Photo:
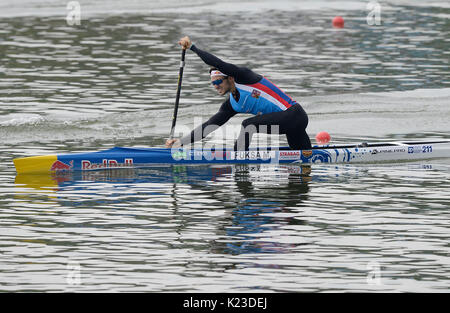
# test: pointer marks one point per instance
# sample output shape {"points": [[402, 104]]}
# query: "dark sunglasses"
{"points": [[217, 82]]}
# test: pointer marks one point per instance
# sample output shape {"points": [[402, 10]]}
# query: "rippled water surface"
{"points": [[111, 81]]}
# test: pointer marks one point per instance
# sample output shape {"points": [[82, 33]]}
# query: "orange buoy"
{"points": [[323, 137], [338, 22]]}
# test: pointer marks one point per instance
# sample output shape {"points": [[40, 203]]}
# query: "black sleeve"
{"points": [[225, 113], [242, 75]]}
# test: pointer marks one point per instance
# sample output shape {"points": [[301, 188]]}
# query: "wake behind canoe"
{"points": [[119, 157]]}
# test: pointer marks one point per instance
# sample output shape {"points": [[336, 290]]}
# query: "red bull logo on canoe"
{"points": [[59, 166], [88, 165]]}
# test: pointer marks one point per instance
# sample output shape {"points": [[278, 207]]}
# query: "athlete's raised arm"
{"points": [[241, 75]]}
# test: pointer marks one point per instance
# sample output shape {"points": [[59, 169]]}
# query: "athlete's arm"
{"points": [[225, 113], [242, 75]]}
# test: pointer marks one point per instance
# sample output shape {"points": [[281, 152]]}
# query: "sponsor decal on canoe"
{"points": [[307, 153], [199, 155], [59, 166], [179, 155], [388, 150], [215, 155], [220, 155], [106, 163], [289, 155]]}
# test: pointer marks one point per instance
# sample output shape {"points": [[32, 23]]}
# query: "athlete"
{"points": [[249, 93]]}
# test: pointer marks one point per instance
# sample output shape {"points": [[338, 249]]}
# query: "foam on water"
{"points": [[21, 120]]}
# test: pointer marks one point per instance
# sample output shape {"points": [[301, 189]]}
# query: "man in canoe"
{"points": [[249, 93]]}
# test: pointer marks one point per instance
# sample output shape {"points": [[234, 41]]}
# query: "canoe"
{"points": [[120, 157]]}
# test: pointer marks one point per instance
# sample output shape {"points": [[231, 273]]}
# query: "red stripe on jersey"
{"points": [[271, 93]]}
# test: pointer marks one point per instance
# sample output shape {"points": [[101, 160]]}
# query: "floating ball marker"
{"points": [[338, 22], [323, 137]]}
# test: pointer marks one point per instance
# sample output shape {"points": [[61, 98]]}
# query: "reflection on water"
{"points": [[288, 186]]}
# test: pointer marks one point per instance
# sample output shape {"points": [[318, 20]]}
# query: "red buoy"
{"points": [[323, 138], [338, 22]]}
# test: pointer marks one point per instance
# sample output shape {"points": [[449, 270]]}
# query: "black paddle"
{"points": [[177, 100]]}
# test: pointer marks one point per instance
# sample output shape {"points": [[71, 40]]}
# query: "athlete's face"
{"points": [[223, 87]]}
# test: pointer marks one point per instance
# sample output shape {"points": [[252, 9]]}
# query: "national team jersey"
{"points": [[261, 98]]}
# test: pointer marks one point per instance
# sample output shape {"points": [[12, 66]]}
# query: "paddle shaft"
{"points": [[177, 99]]}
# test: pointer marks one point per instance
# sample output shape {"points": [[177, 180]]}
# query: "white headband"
{"points": [[217, 73]]}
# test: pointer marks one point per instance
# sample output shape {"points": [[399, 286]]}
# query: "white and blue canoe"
{"points": [[146, 157]]}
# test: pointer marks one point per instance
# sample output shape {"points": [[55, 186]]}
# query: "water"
{"points": [[111, 81]]}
